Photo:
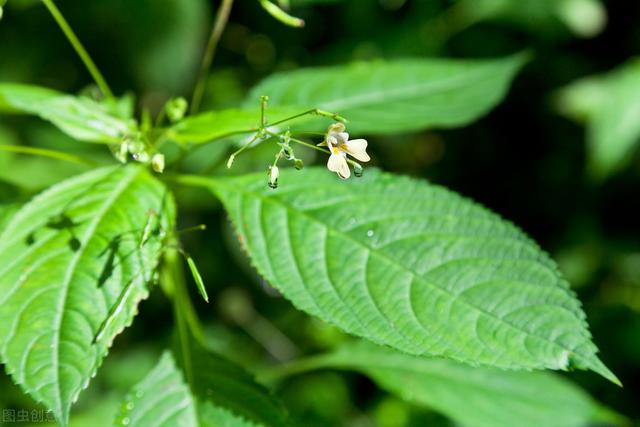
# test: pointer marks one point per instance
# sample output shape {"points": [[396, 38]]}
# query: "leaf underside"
{"points": [[411, 265], [490, 397], [71, 265]]}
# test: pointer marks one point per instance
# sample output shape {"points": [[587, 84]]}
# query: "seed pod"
{"points": [[298, 164]]}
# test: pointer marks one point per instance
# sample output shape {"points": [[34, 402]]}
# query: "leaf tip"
{"points": [[601, 369]]}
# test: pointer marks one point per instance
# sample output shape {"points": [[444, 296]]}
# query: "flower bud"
{"points": [[358, 170], [287, 152], [298, 164], [135, 146], [230, 161], [273, 174], [157, 162], [176, 108]]}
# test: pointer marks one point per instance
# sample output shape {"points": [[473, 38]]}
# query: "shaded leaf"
{"points": [[79, 117], [479, 397], [71, 264], [399, 95], [219, 383], [410, 265]]}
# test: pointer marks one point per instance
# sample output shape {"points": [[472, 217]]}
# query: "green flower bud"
{"points": [[176, 108], [358, 170], [298, 164], [157, 162]]}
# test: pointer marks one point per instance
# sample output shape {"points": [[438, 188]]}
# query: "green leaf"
{"points": [[215, 416], [161, 399], [79, 117], [397, 96], [584, 18], [71, 265], [225, 123], [219, 382], [490, 397], [411, 265], [611, 106]]}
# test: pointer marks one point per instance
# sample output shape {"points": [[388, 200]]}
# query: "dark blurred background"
{"points": [[523, 160]]}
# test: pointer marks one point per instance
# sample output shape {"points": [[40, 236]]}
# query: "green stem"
{"points": [[222, 16], [80, 50], [43, 152], [315, 112], [277, 373], [184, 312]]}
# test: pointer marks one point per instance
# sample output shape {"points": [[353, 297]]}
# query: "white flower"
{"points": [[337, 140]]}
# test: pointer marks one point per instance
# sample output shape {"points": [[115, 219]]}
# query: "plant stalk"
{"points": [[77, 46], [222, 16]]}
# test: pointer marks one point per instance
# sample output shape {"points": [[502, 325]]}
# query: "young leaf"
{"points": [[71, 275], [411, 265], [611, 106], [399, 95], [480, 397], [217, 382], [79, 117], [161, 399]]}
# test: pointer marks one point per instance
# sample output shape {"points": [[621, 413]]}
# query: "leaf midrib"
{"points": [[108, 203], [404, 93]]}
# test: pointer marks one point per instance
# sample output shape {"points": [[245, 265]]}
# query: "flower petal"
{"points": [[338, 163], [357, 148], [331, 141], [336, 128], [342, 137]]}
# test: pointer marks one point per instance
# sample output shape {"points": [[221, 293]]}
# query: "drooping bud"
{"points": [[298, 164], [273, 174], [157, 162], [176, 108], [230, 161], [358, 170], [287, 152]]}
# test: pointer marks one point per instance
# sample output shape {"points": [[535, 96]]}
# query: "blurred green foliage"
{"points": [[524, 160]]}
